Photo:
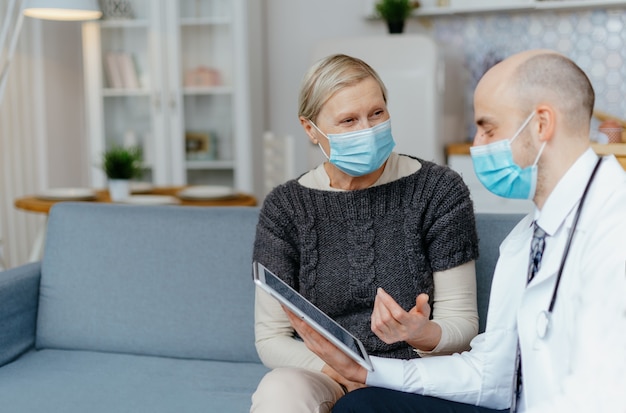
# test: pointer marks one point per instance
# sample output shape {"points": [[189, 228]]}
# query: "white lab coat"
{"points": [[580, 364]]}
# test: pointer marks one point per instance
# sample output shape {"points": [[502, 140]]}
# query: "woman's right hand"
{"points": [[392, 324], [351, 371]]}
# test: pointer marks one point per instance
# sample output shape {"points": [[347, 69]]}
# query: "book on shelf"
{"points": [[128, 70], [121, 71], [113, 75]]}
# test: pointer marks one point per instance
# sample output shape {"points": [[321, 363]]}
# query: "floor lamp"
{"points": [[40, 9]]}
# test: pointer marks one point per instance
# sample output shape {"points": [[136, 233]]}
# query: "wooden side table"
{"points": [[33, 204]]}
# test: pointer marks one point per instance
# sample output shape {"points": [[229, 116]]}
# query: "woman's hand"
{"points": [[392, 324], [327, 351]]}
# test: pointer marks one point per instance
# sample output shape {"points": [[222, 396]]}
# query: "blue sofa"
{"points": [[145, 309]]}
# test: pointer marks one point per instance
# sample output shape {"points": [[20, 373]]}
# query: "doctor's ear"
{"points": [[546, 122]]}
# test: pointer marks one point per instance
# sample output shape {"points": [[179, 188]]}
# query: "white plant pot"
{"points": [[119, 189]]}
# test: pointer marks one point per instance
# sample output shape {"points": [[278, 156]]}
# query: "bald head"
{"points": [[535, 77]]}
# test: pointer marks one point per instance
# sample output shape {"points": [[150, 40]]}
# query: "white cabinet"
{"points": [[173, 78]]}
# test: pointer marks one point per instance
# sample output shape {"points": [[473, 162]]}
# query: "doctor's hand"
{"points": [[337, 360], [347, 384], [391, 323]]}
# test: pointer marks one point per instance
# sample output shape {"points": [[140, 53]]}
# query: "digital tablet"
{"points": [[312, 315]]}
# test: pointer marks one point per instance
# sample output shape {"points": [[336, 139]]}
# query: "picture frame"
{"points": [[199, 146]]}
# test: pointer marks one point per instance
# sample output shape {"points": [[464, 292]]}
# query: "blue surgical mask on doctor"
{"points": [[360, 152], [496, 170]]}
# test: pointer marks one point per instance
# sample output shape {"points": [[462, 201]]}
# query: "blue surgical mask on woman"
{"points": [[496, 170], [360, 152]]}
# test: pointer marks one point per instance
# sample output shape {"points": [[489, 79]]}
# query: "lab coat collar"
{"points": [[567, 193]]}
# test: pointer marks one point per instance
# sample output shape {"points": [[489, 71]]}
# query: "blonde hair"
{"points": [[328, 76]]}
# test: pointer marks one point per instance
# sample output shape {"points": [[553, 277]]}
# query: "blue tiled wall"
{"points": [[594, 39]]}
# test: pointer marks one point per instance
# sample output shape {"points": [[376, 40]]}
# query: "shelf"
{"points": [[460, 148], [617, 149], [210, 164], [452, 10], [210, 90], [110, 92], [583, 4], [125, 24], [522, 6], [205, 21]]}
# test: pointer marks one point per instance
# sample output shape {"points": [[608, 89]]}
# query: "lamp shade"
{"points": [[63, 9]]}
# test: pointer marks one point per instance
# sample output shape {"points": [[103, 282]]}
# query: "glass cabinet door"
{"points": [[119, 83], [163, 76], [206, 81]]}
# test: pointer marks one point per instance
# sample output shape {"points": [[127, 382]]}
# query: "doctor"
{"points": [[532, 113]]}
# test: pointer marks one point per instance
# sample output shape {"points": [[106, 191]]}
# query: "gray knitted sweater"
{"points": [[336, 248]]}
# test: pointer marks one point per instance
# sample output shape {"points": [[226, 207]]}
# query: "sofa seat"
{"points": [[86, 381]]}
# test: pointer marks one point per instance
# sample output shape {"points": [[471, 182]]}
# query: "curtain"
{"points": [[22, 145]]}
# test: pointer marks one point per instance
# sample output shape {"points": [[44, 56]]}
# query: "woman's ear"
{"points": [[546, 117], [309, 129]]}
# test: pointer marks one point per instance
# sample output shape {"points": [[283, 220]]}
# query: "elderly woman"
{"points": [[371, 237]]}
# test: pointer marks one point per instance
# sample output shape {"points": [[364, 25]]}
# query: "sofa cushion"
{"points": [[79, 381], [156, 280]]}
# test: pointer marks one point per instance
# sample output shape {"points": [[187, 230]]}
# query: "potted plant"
{"points": [[395, 12], [120, 165]]}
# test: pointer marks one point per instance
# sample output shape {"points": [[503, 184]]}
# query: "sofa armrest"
{"points": [[19, 298]]}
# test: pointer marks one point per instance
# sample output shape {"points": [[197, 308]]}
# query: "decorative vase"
{"points": [[117, 9], [395, 27], [119, 189]]}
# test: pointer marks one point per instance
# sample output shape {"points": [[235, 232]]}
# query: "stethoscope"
{"points": [[544, 318]]}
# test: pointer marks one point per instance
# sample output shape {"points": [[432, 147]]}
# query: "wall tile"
{"points": [[594, 39]]}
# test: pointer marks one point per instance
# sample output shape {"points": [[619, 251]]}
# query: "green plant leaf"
{"points": [[123, 163], [395, 10]]}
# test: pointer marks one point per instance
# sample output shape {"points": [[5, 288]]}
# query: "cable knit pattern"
{"points": [[337, 247]]}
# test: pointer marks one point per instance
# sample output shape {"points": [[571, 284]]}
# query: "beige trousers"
{"points": [[291, 390]]}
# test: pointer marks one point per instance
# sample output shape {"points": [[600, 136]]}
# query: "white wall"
{"points": [[257, 89], [67, 164]]}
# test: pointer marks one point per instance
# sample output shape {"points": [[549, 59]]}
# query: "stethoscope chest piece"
{"points": [[543, 324]]}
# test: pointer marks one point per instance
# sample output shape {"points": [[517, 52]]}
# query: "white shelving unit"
{"points": [[487, 7], [189, 107], [490, 6]]}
